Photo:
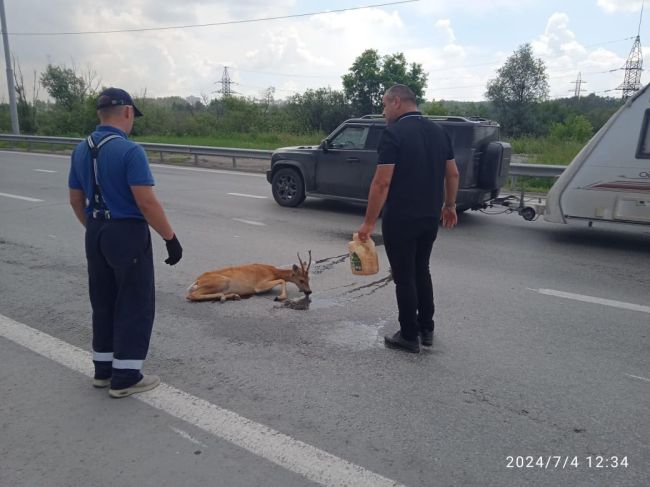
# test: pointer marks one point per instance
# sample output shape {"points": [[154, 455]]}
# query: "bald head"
{"points": [[403, 92], [398, 100]]}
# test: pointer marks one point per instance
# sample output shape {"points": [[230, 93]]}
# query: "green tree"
{"points": [[434, 107], [520, 84], [320, 110], [26, 111], [370, 75], [64, 86]]}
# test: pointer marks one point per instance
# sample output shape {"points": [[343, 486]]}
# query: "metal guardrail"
{"points": [[195, 150], [535, 170]]}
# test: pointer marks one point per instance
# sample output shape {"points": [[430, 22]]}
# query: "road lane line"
{"points": [[638, 377], [593, 299], [7, 195], [249, 222], [314, 464], [187, 436], [45, 170], [244, 195]]}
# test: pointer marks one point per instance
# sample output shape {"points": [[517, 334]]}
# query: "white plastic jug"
{"points": [[363, 256]]}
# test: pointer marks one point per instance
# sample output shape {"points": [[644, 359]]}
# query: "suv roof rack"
{"points": [[445, 118]]}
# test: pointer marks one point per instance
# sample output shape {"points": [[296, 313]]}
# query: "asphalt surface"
{"points": [[513, 372]]}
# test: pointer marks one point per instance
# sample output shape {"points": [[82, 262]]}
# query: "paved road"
{"points": [[541, 350]]}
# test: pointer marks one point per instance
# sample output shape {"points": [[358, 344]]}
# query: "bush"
{"points": [[575, 127]]}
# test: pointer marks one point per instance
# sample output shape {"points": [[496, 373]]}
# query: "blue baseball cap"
{"points": [[112, 97]]}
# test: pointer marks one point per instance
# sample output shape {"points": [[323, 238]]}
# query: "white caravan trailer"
{"points": [[609, 180]]}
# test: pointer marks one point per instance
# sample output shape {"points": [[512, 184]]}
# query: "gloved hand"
{"points": [[174, 250]]}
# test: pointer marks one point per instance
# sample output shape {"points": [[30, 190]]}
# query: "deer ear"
{"points": [[296, 269]]}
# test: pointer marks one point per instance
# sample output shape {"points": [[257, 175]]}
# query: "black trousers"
{"points": [[122, 295], [408, 247]]}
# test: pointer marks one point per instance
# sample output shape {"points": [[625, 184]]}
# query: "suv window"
{"points": [[350, 138], [372, 142]]}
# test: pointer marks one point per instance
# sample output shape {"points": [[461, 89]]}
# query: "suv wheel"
{"points": [[287, 187]]}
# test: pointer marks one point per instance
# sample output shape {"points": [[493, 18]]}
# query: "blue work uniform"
{"points": [[119, 254]]}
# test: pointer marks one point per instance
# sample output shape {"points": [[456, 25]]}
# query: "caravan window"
{"points": [[643, 149]]}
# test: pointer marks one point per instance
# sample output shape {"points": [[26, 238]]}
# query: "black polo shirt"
{"points": [[419, 148]]}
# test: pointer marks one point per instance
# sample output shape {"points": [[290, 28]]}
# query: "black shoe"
{"points": [[426, 337], [397, 342]]}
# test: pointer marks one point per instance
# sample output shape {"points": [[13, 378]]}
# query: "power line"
{"points": [[213, 24], [292, 75]]}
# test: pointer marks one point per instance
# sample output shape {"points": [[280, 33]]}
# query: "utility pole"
{"points": [[15, 128], [633, 66], [226, 84], [578, 89]]}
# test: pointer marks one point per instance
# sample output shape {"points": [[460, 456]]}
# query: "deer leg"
{"points": [[283, 294], [267, 286], [206, 297]]}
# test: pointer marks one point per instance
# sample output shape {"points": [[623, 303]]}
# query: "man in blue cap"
{"points": [[111, 193]]}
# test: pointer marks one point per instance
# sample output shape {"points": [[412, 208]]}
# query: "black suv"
{"points": [[343, 165]]}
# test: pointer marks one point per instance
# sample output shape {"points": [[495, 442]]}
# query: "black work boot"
{"points": [[397, 342], [426, 337]]}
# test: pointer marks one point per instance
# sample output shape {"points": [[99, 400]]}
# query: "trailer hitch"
{"points": [[522, 206]]}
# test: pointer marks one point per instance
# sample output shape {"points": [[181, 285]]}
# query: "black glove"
{"points": [[174, 250]]}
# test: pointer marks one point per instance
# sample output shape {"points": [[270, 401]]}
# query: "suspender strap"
{"points": [[100, 208]]}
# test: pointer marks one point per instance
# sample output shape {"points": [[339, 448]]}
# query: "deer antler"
{"points": [[302, 264]]}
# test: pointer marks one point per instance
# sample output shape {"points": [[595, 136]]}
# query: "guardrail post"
{"points": [[196, 159], [234, 162], [162, 159], [29, 146]]}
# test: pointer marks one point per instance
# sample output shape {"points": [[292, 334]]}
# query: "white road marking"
{"points": [[593, 299], [187, 436], [7, 195], [45, 170], [314, 464], [638, 377], [248, 196], [250, 222]]}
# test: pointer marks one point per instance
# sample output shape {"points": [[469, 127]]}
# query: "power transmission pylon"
{"points": [[633, 66], [226, 83], [578, 89]]}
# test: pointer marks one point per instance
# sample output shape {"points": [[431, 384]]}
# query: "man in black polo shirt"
{"points": [[417, 179]]}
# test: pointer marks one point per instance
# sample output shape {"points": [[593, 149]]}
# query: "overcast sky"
{"points": [[460, 44]]}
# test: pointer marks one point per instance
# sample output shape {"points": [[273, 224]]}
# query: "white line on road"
{"points": [[250, 222], [593, 299], [638, 377], [7, 195], [294, 455], [45, 170], [248, 196], [187, 436]]}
